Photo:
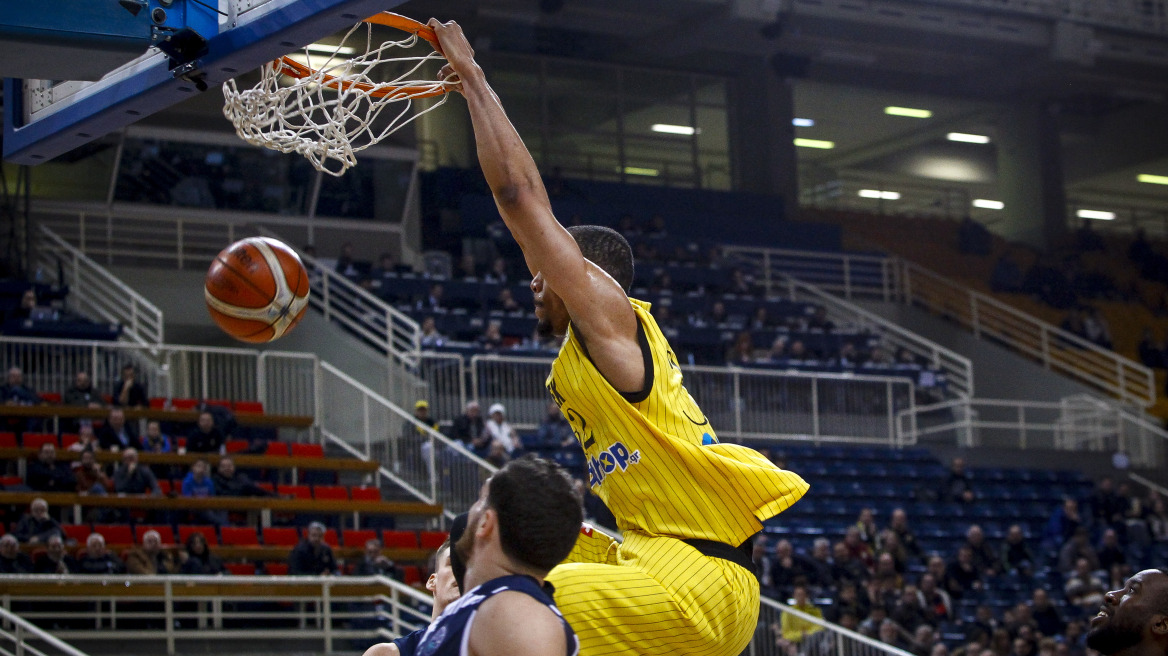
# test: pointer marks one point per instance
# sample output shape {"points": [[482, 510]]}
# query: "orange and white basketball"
{"points": [[256, 289]]}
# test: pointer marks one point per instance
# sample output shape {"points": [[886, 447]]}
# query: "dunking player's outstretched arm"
{"points": [[597, 305]]}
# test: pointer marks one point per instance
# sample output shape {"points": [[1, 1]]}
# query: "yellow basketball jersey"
{"points": [[654, 458]]}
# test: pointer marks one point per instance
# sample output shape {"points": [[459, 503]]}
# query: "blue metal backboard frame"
{"points": [[148, 85]]}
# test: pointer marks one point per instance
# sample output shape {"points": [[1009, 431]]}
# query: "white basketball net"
{"points": [[328, 115]]}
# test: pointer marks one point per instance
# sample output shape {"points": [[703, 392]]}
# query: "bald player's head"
{"points": [[1133, 620]]}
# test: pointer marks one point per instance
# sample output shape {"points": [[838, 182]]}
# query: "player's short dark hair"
{"points": [[539, 511], [433, 562], [608, 249]]}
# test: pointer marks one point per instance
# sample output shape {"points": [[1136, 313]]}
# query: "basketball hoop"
{"points": [[326, 113]]}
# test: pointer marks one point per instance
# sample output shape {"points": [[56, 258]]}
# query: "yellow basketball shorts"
{"points": [[654, 595]]}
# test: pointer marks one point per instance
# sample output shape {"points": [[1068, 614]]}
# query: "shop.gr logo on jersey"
{"points": [[608, 461]]}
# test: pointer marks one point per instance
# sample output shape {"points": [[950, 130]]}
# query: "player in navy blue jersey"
{"points": [[441, 584]]}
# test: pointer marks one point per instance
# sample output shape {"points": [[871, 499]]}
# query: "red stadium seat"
{"points": [[400, 539], [51, 397], [115, 533], [222, 403], [241, 569], [9, 481], [307, 450], [181, 443], [249, 407], [433, 539], [8, 440], [165, 532], [366, 493], [166, 486], [281, 537], [338, 492], [236, 446], [157, 403], [358, 537], [412, 574], [184, 533], [276, 569], [297, 491], [35, 440], [76, 532], [267, 486], [184, 404], [238, 536], [69, 439], [279, 449]]}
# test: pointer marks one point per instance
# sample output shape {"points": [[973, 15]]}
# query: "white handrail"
{"points": [[1055, 348], [26, 628], [847, 641], [958, 367], [97, 293]]}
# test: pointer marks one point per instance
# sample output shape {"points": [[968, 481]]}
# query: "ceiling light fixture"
{"points": [[1099, 215], [1153, 179], [986, 204], [815, 143], [674, 129], [803, 122], [637, 170], [908, 112], [882, 195], [968, 138], [325, 49]]}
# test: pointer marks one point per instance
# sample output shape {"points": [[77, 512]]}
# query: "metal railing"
{"points": [[1056, 349], [19, 637], [850, 275], [1076, 423], [829, 640], [421, 460], [1136, 15], [196, 611], [284, 382], [96, 293], [740, 403]]}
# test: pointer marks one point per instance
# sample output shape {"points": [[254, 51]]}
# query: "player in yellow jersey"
{"points": [[682, 581]]}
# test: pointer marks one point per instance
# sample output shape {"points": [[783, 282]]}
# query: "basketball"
{"points": [[256, 289]]}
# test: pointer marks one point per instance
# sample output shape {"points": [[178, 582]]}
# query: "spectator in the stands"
{"points": [[54, 560], [1016, 554], [15, 391], [797, 351], [82, 394], [128, 391], [1083, 588], [431, 338], [739, 283], [500, 271], [1107, 507], [849, 600], [132, 478], [1063, 523], [12, 560], [717, 315], [959, 485], [845, 567], [1095, 328], [36, 527], [434, 300], [91, 477], [346, 265], [386, 267], [1078, 547], [742, 350], [761, 319], [819, 321], [909, 611], [374, 562], [628, 227], [197, 484], [205, 437], [1151, 350], [97, 559], [892, 635], [554, 430], [786, 569], [886, 582], [657, 229], [45, 474], [796, 635], [778, 350], [150, 558], [984, 558], [866, 523], [86, 439], [819, 569], [468, 267], [492, 337], [1046, 615], [467, 428], [1007, 275], [1050, 284], [857, 548], [312, 557], [504, 440], [411, 431], [116, 433], [973, 238], [961, 576], [890, 544], [230, 482], [506, 302], [1110, 553], [937, 603], [28, 302], [197, 558], [898, 524]]}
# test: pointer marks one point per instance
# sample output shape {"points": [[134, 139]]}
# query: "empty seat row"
{"points": [[244, 536], [283, 449]]}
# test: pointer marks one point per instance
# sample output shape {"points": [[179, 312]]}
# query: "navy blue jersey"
{"points": [[407, 645], [449, 634]]}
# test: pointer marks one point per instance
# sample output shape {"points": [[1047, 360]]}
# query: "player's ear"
{"points": [[432, 583], [488, 525], [1160, 625]]}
